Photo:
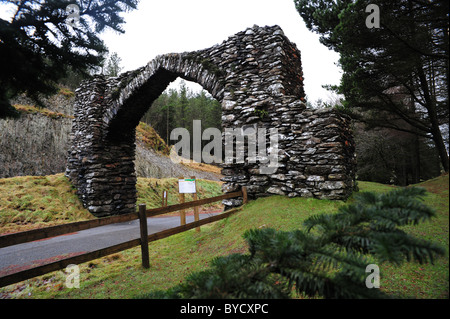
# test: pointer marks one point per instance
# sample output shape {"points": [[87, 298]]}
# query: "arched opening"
{"points": [[184, 104], [129, 113]]}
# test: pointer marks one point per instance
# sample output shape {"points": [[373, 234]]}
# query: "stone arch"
{"points": [[257, 77], [136, 91]]}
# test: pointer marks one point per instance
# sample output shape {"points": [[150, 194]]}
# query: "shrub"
{"points": [[327, 259]]}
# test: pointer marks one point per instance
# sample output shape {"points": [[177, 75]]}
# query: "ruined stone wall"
{"points": [[257, 76], [316, 158]]}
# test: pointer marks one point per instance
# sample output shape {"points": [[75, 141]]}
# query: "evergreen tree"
{"points": [[395, 75], [72, 79], [387, 156], [44, 38], [183, 107], [328, 259], [112, 65], [179, 108]]}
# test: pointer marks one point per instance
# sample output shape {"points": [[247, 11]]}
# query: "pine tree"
{"points": [[112, 65], [183, 106], [395, 76], [45, 38], [179, 108], [328, 258]]}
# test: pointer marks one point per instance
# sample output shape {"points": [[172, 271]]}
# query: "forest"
{"points": [[179, 108]]}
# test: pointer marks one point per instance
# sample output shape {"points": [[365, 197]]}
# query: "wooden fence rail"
{"points": [[43, 233], [28, 236]]}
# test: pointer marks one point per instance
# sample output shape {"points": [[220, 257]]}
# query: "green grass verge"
{"points": [[172, 259], [413, 280], [30, 202]]}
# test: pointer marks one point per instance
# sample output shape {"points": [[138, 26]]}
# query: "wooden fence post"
{"points": [[244, 195], [196, 215], [144, 236], [181, 198], [182, 211]]}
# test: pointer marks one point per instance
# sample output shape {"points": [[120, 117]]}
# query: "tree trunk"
{"points": [[432, 113], [417, 167], [439, 142]]}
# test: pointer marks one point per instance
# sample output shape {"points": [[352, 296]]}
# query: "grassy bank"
{"points": [[31, 202], [173, 258]]}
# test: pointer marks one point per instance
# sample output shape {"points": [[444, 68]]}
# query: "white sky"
{"points": [[159, 27], [166, 26]]}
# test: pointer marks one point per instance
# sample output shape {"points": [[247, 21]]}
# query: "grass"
{"points": [[150, 190], [151, 140], [66, 92], [413, 280], [172, 259], [31, 109], [31, 202]]}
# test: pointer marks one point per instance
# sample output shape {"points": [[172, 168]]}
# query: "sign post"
{"points": [[188, 186], [164, 199], [196, 215]]}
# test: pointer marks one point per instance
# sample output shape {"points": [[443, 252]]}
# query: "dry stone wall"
{"points": [[257, 77]]}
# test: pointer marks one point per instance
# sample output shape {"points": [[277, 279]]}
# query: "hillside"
{"points": [[153, 161], [173, 258]]}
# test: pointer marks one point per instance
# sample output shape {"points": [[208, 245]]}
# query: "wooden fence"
{"points": [[142, 215]]}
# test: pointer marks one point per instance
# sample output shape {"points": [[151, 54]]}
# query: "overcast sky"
{"points": [[159, 27], [166, 26]]}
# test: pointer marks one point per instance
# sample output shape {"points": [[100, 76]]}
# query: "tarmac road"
{"points": [[24, 255]]}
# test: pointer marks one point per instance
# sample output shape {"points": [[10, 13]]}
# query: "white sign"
{"points": [[186, 186]]}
